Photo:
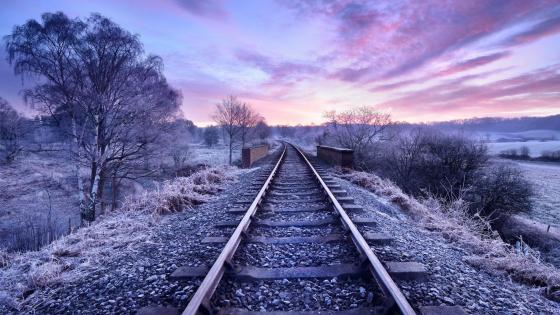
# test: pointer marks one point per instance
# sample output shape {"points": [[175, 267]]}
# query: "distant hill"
{"points": [[497, 124]]}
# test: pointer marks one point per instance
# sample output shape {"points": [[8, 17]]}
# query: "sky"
{"points": [[292, 61]]}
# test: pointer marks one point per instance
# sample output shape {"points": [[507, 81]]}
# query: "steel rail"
{"points": [[213, 277], [379, 272]]}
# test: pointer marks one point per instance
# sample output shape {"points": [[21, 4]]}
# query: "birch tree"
{"points": [[98, 76]]}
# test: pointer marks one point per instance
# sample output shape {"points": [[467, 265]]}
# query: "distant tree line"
{"points": [[501, 124], [523, 153]]}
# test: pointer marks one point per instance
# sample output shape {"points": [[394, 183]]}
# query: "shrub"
{"points": [[509, 154], [499, 191], [11, 132], [427, 162], [211, 136], [180, 193]]}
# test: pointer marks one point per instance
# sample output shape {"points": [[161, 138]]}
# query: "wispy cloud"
{"points": [[278, 71], [507, 95], [206, 8], [542, 29]]}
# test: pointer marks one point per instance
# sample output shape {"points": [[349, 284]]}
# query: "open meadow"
{"points": [[545, 178]]}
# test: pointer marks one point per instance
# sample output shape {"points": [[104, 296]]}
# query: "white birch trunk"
{"points": [[81, 193]]}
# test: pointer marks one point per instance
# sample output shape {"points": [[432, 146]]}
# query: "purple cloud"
{"points": [[206, 8], [501, 96], [279, 71], [538, 31], [383, 40], [473, 63]]}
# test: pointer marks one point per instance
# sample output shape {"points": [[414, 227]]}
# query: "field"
{"points": [[26, 186], [537, 134], [536, 140], [214, 156], [26, 210], [546, 180]]}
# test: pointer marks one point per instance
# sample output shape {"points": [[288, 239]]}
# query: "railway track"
{"points": [[298, 246]]}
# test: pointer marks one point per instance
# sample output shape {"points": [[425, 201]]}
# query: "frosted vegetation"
{"points": [[456, 224], [110, 153], [84, 251], [108, 127]]}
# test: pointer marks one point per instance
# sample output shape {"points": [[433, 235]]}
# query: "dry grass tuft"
{"points": [[489, 252], [180, 193], [117, 233]]}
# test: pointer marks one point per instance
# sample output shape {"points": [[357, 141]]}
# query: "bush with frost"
{"points": [[177, 194], [456, 223]]}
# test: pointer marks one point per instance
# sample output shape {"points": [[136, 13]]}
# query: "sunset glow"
{"points": [[294, 60]]}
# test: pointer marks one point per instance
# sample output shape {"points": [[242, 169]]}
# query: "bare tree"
{"points": [[262, 130], [357, 128], [96, 76], [248, 122], [211, 136], [176, 142], [229, 116], [11, 132]]}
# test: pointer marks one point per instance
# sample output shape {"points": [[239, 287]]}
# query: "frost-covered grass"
{"points": [[489, 252], [86, 250], [545, 178], [24, 189], [214, 156]]}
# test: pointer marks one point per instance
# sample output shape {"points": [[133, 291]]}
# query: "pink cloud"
{"points": [[382, 40], [500, 97]]}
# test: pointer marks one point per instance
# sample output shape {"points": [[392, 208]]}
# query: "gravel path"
{"points": [[297, 231]]}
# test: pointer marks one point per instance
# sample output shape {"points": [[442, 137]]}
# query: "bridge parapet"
{"points": [[336, 156], [253, 154]]}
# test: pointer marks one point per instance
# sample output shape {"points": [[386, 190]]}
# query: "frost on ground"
{"points": [[545, 178], [25, 186], [116, 233], [487, 251], [217, 155]]}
